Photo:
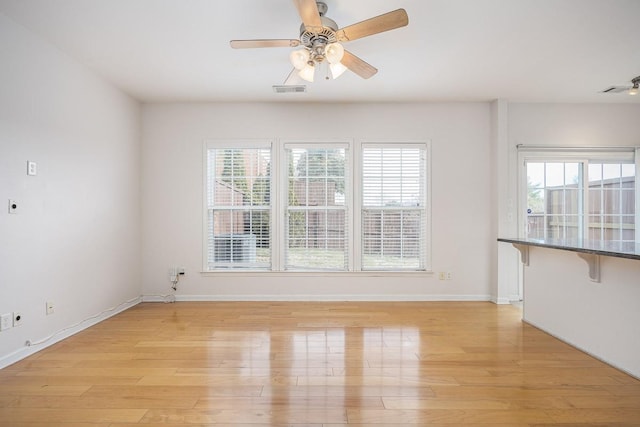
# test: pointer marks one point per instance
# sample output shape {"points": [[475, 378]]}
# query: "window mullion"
{"points": [[583, 199], [355, 207], [637, 193]]}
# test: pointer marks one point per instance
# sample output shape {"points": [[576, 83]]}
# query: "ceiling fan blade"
{"points": [[249, 44], [379, 24], [308, 10], [358, 66]]}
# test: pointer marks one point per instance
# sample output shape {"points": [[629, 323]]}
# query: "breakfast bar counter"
{"points": [[594, 306]]}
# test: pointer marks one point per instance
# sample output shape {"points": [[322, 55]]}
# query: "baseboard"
{"points": [[501, 301], [320, 298], [56, 337]]}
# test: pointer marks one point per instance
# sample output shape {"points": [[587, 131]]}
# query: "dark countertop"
{"points": [[630, 250]]}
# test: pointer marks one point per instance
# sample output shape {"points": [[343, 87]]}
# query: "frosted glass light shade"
{"points": [[334, 53], [337, 70], [307, 73], [633, 90], [299, 58]]}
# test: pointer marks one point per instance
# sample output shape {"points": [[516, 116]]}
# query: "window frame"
{"points": [[283, 189], [581, 155], [233, 144], [353, 200], [425, 148]]}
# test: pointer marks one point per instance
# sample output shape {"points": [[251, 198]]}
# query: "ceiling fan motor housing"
{"points": [[317, 39], [327, 33]]}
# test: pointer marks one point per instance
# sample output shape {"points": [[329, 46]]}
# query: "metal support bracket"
{"points": [[524, 252], [593, 261]]}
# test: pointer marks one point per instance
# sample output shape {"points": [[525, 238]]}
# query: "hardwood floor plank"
{"points": [[167, 392], [285, 401], [434, 403], [446, 416], [106, 402], [596, 415], [355, 392], [248, 416], [41, 390], [59, 424], [12, 416]]}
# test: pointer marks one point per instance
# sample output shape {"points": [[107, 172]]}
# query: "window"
{"points": [[238, 208], [554, 200], [612, 201], [322, 206], [317, 228], [393, 208], [589, 195]]}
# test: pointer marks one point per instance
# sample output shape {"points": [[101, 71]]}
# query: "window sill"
{"points": [[256, 273]]}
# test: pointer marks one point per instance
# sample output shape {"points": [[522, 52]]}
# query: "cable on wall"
{"points": [[30, 343], [174, 273]]}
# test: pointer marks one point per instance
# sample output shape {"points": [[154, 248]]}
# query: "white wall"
{"points": [[504, 263], [575, 124], [173, 136], [76, 238], [600, 318]]}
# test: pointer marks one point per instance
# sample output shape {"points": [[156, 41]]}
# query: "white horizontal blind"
{"points": [[317, 234], [238, 208], [394, 207]]}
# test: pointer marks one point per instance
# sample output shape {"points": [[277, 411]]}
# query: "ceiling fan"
{"points": [[320, 38], [631, 90]]}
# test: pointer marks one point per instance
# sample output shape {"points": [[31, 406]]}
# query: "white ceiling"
{"points": [[452, 50]]}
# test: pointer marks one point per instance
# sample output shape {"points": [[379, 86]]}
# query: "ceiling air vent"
{"points": [[616, 89], [289, 88]]}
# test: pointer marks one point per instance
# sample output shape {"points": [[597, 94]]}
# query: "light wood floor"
{"points": [[315, 364]]}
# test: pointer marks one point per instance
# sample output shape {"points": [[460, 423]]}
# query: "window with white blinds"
{"points": [[334, 206], [317, 212], [394, 207], [238, 208]]}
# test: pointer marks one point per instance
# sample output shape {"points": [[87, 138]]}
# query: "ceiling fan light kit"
{"points": [[320, 39], [631, 90], [634, 89]]}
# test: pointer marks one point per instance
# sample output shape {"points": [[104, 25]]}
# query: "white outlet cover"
{"points": [[6, 321], [17, 319], [32, 168]]}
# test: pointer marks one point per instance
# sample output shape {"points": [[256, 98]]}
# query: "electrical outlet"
{"points": [[6, 321], [449, 275], [49, 308], [17, 318], [32, 168]]}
